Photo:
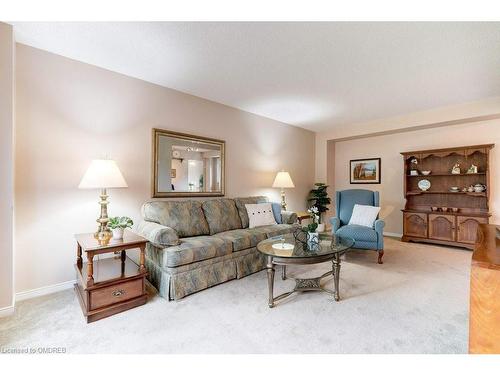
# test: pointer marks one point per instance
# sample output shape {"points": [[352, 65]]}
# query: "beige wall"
{"points": [[69, 113], [7, 52], [388, 147], [402, 122]]}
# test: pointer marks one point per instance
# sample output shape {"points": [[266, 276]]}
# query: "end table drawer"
{"points": [[116, 293]]}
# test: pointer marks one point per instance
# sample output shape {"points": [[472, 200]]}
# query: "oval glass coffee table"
{"points": [[287, 250]]}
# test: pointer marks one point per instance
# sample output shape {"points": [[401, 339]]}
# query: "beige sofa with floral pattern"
{"points": [[194, 245]]}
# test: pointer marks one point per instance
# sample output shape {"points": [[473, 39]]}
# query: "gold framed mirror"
{"points": [[187, 165]]}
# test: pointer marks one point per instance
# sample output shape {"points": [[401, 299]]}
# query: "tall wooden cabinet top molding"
{"points": [[447, 194]]}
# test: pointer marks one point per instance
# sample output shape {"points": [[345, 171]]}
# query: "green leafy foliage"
{"points": [[318, 197], [312, 227], [120, 222]]}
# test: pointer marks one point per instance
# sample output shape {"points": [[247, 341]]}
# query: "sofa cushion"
{"points": [[357, 232], [193, 249], [242, 239], [364, 215], [185, 217], [221, 215], [277, 212], [260, 214], [242, 211], [274, 230]]}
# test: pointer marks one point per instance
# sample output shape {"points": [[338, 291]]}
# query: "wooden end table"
{"points": [[108, 286], [303, 215]]}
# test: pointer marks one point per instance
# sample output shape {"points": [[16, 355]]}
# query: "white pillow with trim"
{"points": [[364, 215], [260, 214]]}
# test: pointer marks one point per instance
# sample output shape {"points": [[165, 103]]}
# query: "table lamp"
{"points": [[103, 174], [283, 181]]}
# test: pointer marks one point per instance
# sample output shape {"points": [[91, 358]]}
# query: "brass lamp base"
{"points": [[103, 233], [107, 234], [283, 200]]}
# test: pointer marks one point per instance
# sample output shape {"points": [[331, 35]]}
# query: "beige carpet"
{"points": [[416, 302]]}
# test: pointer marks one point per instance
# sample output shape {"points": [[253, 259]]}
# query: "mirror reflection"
{"points": [[187, 165]]}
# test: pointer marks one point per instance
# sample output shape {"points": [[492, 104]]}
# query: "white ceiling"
{"points": [[313, 75]]}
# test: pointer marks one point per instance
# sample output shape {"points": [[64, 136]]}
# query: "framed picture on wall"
{"points": [[365, 171]]}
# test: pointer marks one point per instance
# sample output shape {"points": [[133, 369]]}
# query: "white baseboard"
{"points": [[6, 311], [390, 234], [21, 296]]}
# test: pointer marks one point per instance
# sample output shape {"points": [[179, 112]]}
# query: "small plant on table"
{"points": [[118, 224]]}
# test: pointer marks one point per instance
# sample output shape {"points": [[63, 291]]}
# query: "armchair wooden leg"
{"points": [[380, 255]]}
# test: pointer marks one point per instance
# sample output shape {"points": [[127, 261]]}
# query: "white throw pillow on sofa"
{"points": [[260, 214], [364, 215]]}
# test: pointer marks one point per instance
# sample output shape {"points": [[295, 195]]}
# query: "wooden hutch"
{"points": [[438, 214]]}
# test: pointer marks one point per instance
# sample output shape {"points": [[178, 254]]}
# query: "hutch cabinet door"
{"points": [[442, 227], [415, 224], [467, 228]]}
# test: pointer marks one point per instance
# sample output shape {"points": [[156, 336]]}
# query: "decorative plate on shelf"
{"points": [[424, 185]]}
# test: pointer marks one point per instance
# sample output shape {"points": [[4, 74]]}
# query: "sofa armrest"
{"points": [[159, 235], [288, 217], [335, 221], [379, 228]]}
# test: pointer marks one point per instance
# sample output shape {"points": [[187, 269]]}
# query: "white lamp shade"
{"points": [[283, 180], [102, 174]]}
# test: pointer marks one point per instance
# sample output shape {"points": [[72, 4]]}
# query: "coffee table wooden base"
{"points": [[303, 285]]}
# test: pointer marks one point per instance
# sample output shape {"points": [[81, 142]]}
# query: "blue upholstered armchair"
{"points": [[365, 237]]}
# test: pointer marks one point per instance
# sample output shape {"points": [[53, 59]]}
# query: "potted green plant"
{"points": [[118, 224], [318, 197]]}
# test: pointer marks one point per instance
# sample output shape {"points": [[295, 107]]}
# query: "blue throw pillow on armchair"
{"points": [[277, 212]]}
